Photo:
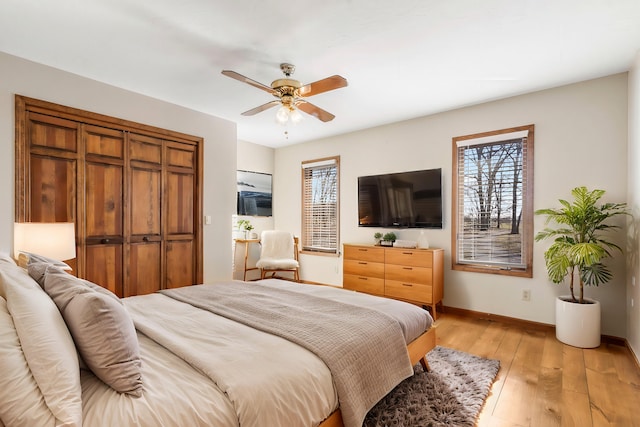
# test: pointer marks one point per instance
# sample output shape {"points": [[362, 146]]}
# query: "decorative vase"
{"points": [[423, 242], [578, 324]]}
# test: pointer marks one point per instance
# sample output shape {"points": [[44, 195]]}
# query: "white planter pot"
{"points": [[578, 324]]}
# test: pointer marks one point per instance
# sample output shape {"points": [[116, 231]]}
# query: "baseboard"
{"points": [[635, 356], [608, 339], [497, 318]]}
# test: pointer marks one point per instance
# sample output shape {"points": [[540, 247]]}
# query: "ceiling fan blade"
{"points": [[324, 85], [315, 111], [261, 108], [247, 80]]}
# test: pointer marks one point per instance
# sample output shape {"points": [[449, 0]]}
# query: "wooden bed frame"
{"points": [[418, 350]]}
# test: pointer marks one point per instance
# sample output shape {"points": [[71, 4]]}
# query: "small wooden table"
{"points": [[246, 242]]}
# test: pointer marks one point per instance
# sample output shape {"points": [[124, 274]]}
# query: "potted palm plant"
{"points": [[576, 254]]}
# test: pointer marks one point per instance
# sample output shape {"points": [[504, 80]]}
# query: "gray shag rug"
{"points": [[452, 394]]}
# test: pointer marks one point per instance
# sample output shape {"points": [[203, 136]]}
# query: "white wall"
{"points": [[633, 232], [254, 158], [580, 139], [38, 81]]}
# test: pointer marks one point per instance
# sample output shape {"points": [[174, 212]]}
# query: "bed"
{"points": [[73, 354]]}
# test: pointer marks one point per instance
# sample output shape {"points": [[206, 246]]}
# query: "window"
{"points": [[320, 195], [493, 202]]}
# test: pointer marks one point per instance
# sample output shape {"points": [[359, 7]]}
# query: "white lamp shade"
{"points": [[55, 240]]}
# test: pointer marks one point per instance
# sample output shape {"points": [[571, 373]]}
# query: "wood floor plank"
{"points": [[574, 375], [521, 382], [576, 409]]}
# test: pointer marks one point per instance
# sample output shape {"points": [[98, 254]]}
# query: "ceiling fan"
{"points": [[291, 95]]}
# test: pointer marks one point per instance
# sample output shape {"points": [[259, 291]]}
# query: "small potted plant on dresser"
{"points": [[388, 239], [377, 237], [577, 253]]}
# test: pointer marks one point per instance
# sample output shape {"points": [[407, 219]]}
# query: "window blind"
{"points": [[320, 205]]}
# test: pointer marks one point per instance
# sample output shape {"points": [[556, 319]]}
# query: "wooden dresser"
{"points": [[413, 275]]}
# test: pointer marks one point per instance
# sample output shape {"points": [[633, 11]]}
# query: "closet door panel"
{"points": [[51, 163], [104, 213], [52, 132], [180, 264], [145, 271], [145, 203], [145, 218], [53, 189], [104, 219], [104, 266], [180, 207]]}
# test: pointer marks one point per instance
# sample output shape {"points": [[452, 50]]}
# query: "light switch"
{"points": [[207, 219]]}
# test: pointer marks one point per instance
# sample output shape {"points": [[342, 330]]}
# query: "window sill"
{"points": [[329, 254], [493, 270]]}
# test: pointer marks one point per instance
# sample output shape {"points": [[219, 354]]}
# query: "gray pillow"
{"points": [[101, 327], [37, 270]]}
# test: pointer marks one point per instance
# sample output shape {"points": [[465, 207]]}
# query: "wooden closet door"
{"points": [[145, 199], [181, 220], [52, 164], [104, 223], [134, 192]]}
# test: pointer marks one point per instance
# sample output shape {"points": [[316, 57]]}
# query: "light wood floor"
{"points": [[542, 382]]}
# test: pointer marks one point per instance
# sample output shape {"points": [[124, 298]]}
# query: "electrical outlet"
{"points": [[526, 295]]}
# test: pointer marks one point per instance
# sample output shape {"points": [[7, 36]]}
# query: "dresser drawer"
{"points": [[369, 285], [411, 291], [404, 273], [364, 253], [363, 268], [411, 257]]}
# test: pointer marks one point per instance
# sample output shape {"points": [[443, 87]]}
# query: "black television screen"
{"points": [[405, 199]]}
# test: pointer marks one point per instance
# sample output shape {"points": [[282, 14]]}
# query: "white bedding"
{"points": [[198, 369], [270, 381], [172, 389]]}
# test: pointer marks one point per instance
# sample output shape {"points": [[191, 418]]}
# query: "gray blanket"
{"points": [[365, 350]]}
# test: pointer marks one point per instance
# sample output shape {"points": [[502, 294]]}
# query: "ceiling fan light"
{"points": [[295, 116], [282, 116]]}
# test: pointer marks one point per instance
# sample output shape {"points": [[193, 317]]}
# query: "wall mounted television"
{"points": [[403, 200], [254, 193]]}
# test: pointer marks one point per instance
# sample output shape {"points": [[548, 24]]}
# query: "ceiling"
{"points": [[402, 59]]}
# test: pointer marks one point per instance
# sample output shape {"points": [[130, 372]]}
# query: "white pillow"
{"points": [[46, 343], [21, 402], [5, 260]]}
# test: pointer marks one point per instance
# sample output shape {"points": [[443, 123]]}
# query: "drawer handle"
{"points": [[363, 250], [407, 284], [362, 263], [104, 241], [363, 278], [407, 253], [145, 239], [407, 268]]}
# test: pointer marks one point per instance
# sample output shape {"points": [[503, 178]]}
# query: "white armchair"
{"points": [[279, 253]]}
